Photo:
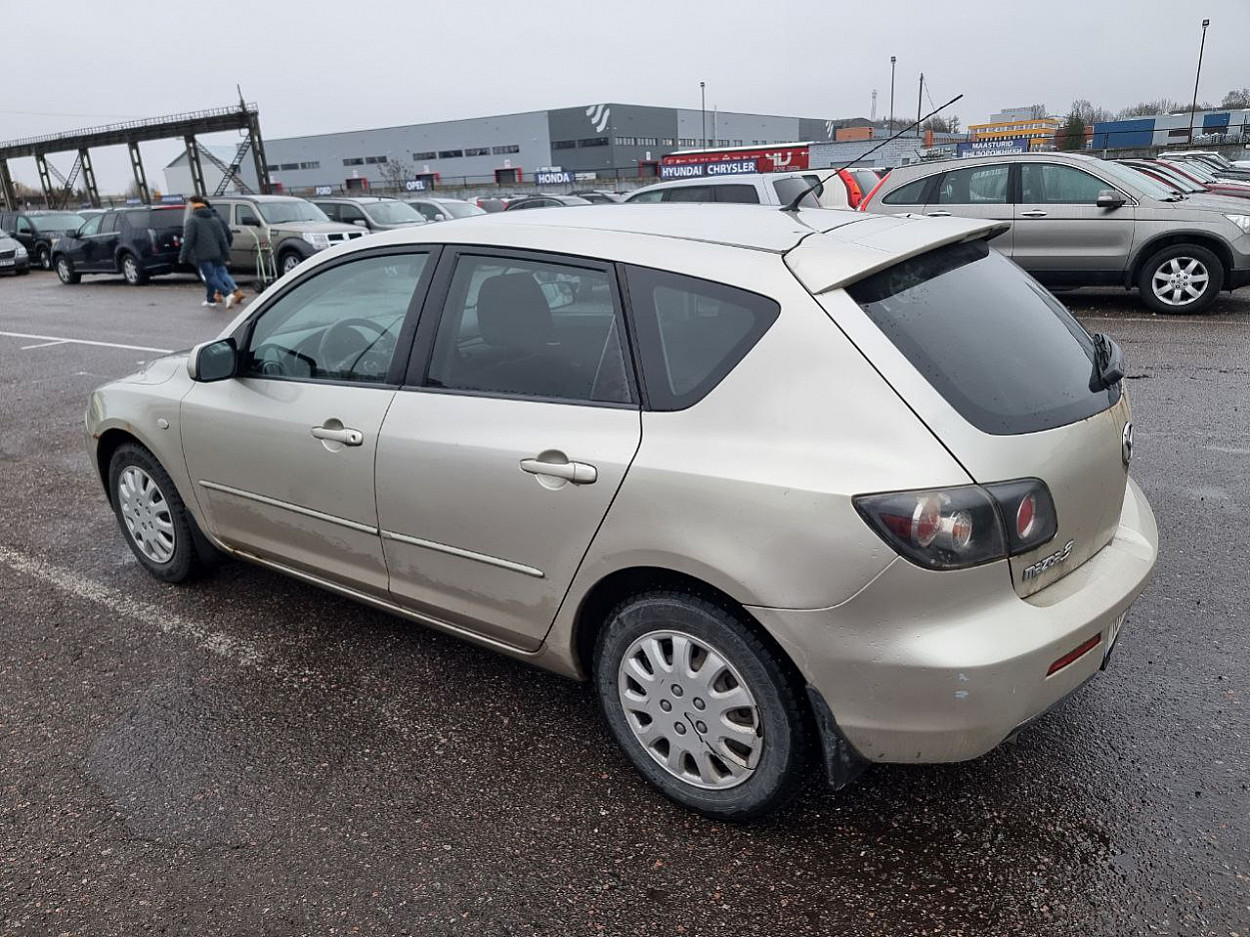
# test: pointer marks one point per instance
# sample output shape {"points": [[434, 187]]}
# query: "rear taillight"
{"points": [[953, 528]]}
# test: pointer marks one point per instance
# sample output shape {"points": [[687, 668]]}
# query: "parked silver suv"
{"points": [[1082, 221]]}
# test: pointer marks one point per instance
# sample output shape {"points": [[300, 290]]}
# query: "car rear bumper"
{"points": [[924, 666]]}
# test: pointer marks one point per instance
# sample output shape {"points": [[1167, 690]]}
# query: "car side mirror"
{"points": [[440, 217], [213, 361], [1109, 198], [361, 222]]}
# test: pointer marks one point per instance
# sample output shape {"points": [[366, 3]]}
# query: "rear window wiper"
{"points": [[1108, 360]]}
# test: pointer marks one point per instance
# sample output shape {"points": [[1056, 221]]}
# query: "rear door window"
{"points": [[691, 332], [740, 194], [910, 194], [689, 193], [976, 185], [1001, 350]]}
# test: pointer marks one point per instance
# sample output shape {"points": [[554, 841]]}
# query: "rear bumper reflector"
{"points": [[1077, 652]]}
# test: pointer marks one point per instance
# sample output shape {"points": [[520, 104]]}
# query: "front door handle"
{"points": [[348, 437], [1034, 213], [938, 214], [579, 473]]}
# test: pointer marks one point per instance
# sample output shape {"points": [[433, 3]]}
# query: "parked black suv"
{"points": [[36, 230], [136, 242]]}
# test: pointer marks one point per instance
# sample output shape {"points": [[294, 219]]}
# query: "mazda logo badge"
{"points": [[1126, 448]]}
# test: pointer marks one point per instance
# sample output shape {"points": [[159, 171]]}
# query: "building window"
{"points": [[477, 151], [648, 141], [737, 143], [563, 144], [722, 143], [626, 141], [429, 154], [274, 167], [286, 166], [593, 141], [450, 154], [372, 160], [358, 161], [501, 150], [668, 141], [315, 164]]}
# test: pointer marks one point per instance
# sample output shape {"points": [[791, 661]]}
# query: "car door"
{"points": [[500, 457], [351, 214], [1061, 235], [331, 209], [246, 227], [106, 243], [82, 248], [282, 455], [982, 192]]}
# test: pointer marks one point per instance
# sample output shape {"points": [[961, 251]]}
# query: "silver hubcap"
{"points": [[690, 710], [290, 263], [132, 272], [1180, 281], [44, 260], [62, 269], [146, 514]]}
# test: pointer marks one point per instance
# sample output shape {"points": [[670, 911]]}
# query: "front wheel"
{"points": [[132, 272], [65, 271], [1184, 279], [290, 260], [152, 515], [702, 707], [43, 257]]}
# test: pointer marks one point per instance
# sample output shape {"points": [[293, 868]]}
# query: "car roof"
{"points": [[738, 177], [353, 198], [857, 242]]}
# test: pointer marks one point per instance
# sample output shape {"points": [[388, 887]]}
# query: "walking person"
{"points": [[205, 244]]}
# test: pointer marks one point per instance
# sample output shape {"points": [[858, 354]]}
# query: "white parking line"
{"points": [[62, 340], [59, 341], [1170, 319]]}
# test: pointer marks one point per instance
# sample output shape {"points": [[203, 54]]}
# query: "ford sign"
{"points": [[324, 190]]}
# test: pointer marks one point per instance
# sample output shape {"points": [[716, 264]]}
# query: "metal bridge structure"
{"points": [[242, 117]]}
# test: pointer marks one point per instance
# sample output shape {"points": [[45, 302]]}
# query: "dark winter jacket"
{"points": [[204, 238]]}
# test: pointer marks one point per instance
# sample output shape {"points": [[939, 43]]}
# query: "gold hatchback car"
{"points": [[789, 487]]}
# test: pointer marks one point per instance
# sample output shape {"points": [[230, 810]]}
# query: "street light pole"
{"points": [[1194, 106], [892, 61], [703, 111], [919, 99]]}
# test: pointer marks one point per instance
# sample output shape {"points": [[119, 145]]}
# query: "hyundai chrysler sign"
{"points": [[991, 147], [553, 177], [724, 167]]}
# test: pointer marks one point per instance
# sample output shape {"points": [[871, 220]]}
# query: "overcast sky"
{"points": [[315, 66]]}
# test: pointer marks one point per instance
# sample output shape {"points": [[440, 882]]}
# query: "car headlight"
{"points": [[317, 239], [1241, 221], [21, 251]]}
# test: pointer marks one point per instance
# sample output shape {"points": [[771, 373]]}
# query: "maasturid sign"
{"points": [[991, 147]]}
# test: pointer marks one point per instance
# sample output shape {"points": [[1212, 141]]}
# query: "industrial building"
{"points": [[1018, 123], [592, 141], [1209, 127]]}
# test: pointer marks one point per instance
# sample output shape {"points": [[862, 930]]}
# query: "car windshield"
{"points": [[1136, 180], [58, 222], [991, 340], [294, 210], [1173, 177], [393, 213], [1195, 168], [458, 210]]}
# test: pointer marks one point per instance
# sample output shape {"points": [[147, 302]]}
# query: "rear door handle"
{"points": [[1034, 213], [938, 214], [579, 473], [348, 437]]}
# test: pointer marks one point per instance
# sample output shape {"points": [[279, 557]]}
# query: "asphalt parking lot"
{"points": [[250, 755]]}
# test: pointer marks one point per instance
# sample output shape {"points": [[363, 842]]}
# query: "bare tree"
{"points": [[1088, 113], [395, 172], [1238, 97], [1037, 111]]}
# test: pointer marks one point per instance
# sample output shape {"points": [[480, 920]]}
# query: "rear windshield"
{"points": [[158, 218], [992, 341]]}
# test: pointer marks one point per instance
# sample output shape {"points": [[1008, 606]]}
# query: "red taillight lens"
{"points": [[1077, 652], [952, 528]]}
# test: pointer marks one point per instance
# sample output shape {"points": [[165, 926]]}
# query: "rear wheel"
{"points": [[1183, 280], [707, 712], [43, 257], [132, 271], [65, 271], [152, 516]]}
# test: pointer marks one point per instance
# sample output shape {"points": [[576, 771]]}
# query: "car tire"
{"points": [[1169, 278], [43, 257], [288, 262], [153, 518], [757, 760], [65, 270], [132, 272]]}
